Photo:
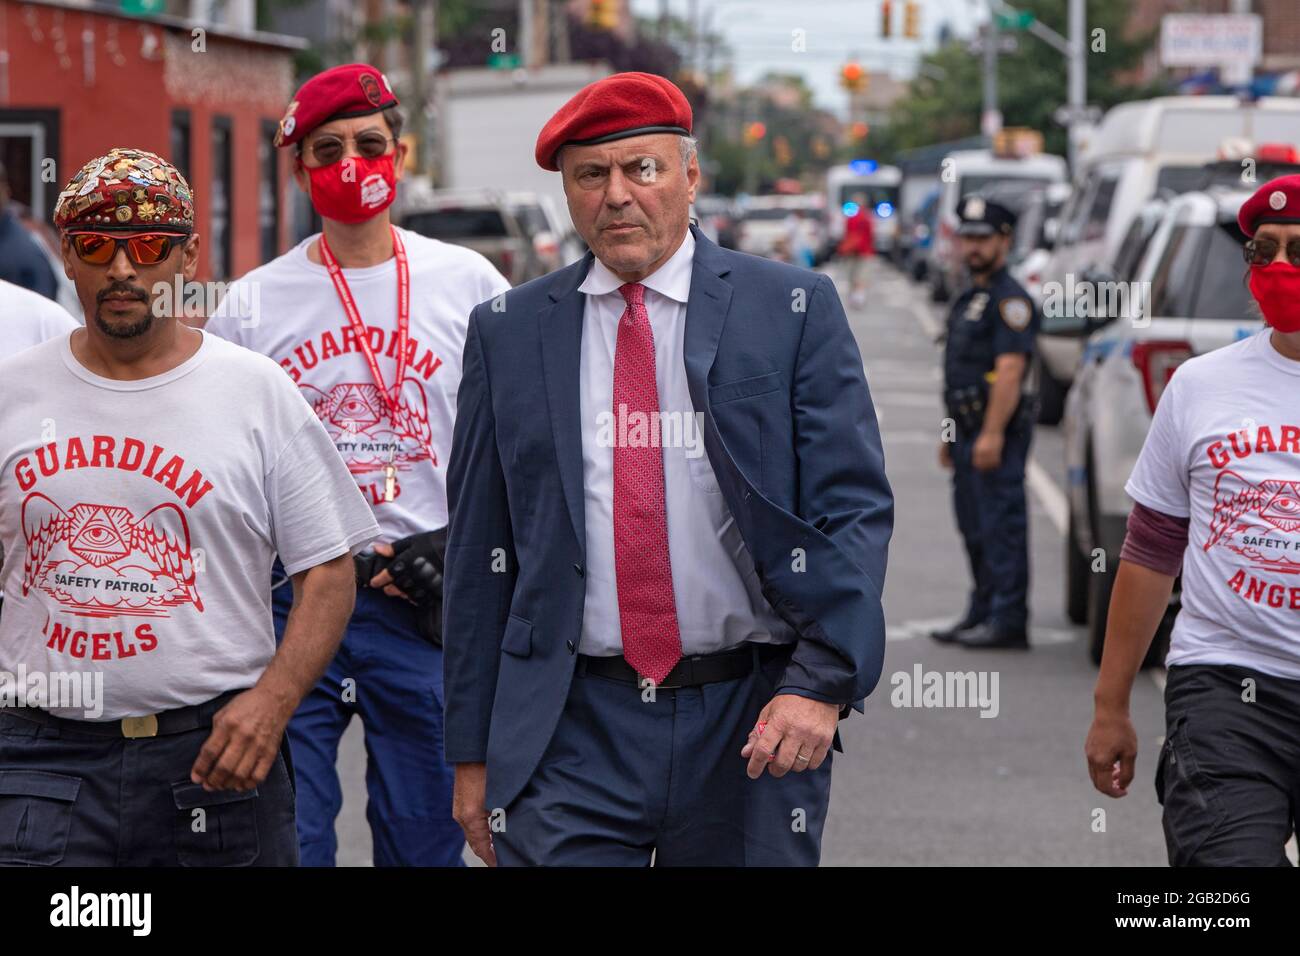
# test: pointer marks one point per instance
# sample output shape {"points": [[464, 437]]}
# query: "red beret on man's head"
{"points": [[1276, 201], [619, 106], [356, 89]]}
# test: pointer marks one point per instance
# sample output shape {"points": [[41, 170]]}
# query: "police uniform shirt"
{"points": [[985, 322]]}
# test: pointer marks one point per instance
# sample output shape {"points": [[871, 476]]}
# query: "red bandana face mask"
{"points": [[1276, 287], [354, 189]]}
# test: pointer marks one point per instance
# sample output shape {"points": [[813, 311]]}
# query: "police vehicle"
{"points": [[1185, 297]]}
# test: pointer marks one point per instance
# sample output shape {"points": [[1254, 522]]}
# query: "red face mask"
{"points": [[1276, 287], [354, 189]]}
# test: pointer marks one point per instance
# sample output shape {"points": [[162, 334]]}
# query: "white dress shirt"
{"points": [[719, 601]]}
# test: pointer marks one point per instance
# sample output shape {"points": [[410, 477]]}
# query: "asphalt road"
{"points": [[945, 786]]}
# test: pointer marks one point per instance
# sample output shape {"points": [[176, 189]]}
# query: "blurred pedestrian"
{"points": [[369, 320], [858, 246], [989, 399], [637, 664], [22, 261], [798, 240], [27, 319], [151, 473], [1216, 493]]}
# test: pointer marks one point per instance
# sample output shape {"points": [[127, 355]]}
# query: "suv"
{"points": [[1198, 301]]}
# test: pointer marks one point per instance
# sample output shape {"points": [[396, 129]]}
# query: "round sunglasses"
{"points": [[328, 149], [146, 249], [1260, 252]]}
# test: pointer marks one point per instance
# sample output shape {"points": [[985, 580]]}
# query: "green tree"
{"points": [[946, 102]]}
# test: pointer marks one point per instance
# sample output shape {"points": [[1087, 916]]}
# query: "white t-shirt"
{"points": [[288, 309], [140, 520], [28, 318], [1224, 450]]}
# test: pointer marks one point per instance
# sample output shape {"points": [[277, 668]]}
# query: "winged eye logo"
{"points": [[101, 561], [356, 417], [1241, 508]]}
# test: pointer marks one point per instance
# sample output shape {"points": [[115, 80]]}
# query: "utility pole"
{"points": [[1078, 80], [1075, 115], [991, 120], [421, 88]]}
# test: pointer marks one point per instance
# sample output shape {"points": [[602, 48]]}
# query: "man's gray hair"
{"points": [[688, 146]]}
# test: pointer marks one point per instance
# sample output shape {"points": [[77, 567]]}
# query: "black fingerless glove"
{"points": [[417, 564]]}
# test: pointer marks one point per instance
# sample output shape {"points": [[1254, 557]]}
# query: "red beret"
{"points": [[622, 105], [1275, 201], [356, 89]]}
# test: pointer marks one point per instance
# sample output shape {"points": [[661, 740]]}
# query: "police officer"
{"points": [[987, 394]]}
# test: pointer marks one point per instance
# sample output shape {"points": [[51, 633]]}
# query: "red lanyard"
{"points": [[358, 327]]}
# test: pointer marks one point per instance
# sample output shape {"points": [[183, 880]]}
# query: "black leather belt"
{"points": [[690, 671], [178, 721]]}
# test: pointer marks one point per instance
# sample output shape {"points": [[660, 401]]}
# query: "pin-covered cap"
{"points": [[126, 190]]}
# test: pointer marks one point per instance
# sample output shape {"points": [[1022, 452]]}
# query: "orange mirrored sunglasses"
{"points": [[146, 249]]}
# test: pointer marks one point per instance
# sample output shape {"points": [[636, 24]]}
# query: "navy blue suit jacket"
{"points": [[791, 434]]}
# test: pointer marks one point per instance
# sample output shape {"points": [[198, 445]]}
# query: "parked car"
{"points": [[554, 240], [481, 220], [914, 191], [717, 216], [968, 172], [1062, 334], [1145, 149], [764, 222], [1035, 234], [1192, 266], [920, 227]]}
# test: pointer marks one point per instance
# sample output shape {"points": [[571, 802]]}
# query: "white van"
{"points": [[968, 171]]}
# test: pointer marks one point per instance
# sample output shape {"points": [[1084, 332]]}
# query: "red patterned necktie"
{"points": [[646, 609]]}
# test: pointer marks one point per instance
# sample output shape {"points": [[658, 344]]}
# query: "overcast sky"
{"points": [[759, 34]]}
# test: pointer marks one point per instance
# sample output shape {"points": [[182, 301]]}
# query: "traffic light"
{"points": [[853, 77], [886, 11], [859, 130], [603, 14], [912, 20], [754, 132]]}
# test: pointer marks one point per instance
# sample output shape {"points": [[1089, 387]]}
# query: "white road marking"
{"points": [[909, 437], [913, 399], [1049, 494], [1038, 636], [929, 324]]}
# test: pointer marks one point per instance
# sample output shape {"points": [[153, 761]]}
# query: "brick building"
{"points": [[77, 79]]}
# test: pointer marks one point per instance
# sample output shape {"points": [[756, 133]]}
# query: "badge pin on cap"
{"points": [[1277, 199]]}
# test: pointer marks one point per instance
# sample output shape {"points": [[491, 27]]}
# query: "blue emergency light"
{"points": [[862, 167]]}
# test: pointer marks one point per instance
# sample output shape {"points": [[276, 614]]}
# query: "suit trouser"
{"points": [[993, 518], [79, 799], [1228, 775], [624, 778], [392, 678]]}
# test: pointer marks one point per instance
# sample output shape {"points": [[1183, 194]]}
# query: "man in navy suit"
{"points": [[669, 524]]}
